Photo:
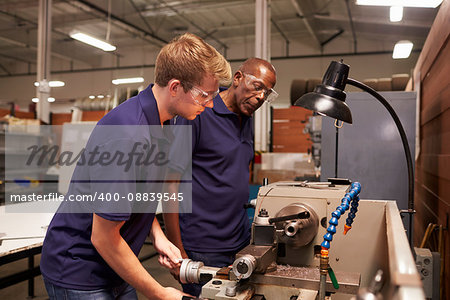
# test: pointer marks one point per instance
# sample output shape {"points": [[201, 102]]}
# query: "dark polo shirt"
{"points": [[222, 149], [68, 257]]}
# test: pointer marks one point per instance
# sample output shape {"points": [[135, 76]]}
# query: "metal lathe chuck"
{"points": [[244, 266]]}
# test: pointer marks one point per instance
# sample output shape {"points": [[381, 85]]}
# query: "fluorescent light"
{"points": [[51, 99], [402, 49], [396, 13], [35, 100], [90, 40], [128, 80], [91, 97], [53, 83], [56, 83], [404, 3], [100, 96]]}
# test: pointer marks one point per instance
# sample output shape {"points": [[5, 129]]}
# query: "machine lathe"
{"points": [[299, 251]]}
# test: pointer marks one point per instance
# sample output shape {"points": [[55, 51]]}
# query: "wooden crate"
{"points": [[287, 129]]}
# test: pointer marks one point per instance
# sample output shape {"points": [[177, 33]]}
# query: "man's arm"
{"points": [[171, 216], [115, 251], [169, 254]]}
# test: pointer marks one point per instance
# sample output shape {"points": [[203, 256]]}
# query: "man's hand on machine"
{"points": [[176, 271]]}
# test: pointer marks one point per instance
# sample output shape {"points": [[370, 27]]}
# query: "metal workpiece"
{"points": [[244, 266], [298, 232], [195, 272], [230, 291], [189, 271], [254, 258], [307, 278]]}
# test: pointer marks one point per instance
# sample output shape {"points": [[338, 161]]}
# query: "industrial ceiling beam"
{"points": [[141, 66], [282, 34], [144, 34], [338, 33], [35, 26], [192, 7], [306, 22], [376, 21], [5, 69], [141, 16], [224, 46], [25, 45], [355, 41], [14, 5], [17, 59]]}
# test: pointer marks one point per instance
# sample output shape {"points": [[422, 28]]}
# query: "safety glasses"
{"points": [[201, 97], [257, 87]]}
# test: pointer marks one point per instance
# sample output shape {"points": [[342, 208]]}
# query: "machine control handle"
{"points": [[302, 215], [249, 205]]}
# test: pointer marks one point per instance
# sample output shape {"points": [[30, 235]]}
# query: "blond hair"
{"points": [[189, 58]]}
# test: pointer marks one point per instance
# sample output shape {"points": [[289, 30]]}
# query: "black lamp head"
{"points": [[328, 98]]}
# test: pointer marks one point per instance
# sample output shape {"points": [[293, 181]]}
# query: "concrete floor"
{"points": [[20, 291]]}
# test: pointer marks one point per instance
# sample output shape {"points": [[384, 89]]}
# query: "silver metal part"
{"points": [[262, 218], [230, 291], [322, 286], [189, 271], [373, 291], [300, 232], [244, 266], [220, 289], [254, 258], [291, 228]]}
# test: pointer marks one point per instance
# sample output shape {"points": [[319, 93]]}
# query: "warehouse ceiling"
{"points": [[129, 24]]}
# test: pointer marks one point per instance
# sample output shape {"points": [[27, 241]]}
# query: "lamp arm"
{"points": [[406, 148]]}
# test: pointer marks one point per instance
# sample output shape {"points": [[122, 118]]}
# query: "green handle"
{"points": [[333, 278]]}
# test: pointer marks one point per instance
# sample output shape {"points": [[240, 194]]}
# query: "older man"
{"points": [[222, 149]]}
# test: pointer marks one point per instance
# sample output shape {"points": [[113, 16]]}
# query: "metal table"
{"points": [[21, 236]]}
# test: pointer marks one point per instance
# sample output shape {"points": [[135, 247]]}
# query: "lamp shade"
{"points": [[328, 98]]}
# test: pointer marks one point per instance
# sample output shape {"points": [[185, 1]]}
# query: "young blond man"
{"points": [[93, 255]]}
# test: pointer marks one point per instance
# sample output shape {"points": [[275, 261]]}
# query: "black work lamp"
{"points": [[328, 99]]}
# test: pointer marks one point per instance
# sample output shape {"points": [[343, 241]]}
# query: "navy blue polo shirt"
{"points": [[222, 149], [68, 257]]}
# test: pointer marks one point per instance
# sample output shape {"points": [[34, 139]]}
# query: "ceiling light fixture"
{"points": [[404, 3], [51, 99], [402, 49], [90, 40], [53, 83], [128, 80], [396, 13], [35, 100], [91, 97]]}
